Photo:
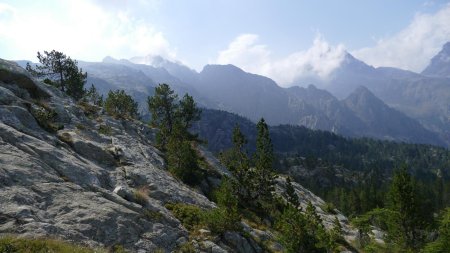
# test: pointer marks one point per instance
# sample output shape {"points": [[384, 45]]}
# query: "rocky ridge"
{"points": [[84, 177]]}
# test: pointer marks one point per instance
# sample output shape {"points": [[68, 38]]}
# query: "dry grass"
{"points": [[12, 244], [141, 195]]}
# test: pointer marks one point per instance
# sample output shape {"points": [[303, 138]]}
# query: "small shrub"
{"points": [[218, 221], [152, 215], [329, 208], [189, 215], [92, 96], [226, 217], [89, 110], [46, 117], [105, 129], [187, 248], [118, 249]]}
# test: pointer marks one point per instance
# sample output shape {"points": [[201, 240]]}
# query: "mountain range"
{"points": [[357, 100]]}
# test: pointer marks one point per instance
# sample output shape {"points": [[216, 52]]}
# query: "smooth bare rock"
{"points": [[63, 184], [240, 243], [209, 246]]}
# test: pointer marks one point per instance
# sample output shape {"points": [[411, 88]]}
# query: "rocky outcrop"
{"points": [[62, 184]]}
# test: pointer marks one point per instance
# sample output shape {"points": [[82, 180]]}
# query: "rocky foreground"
{"points": [[67, 171]]}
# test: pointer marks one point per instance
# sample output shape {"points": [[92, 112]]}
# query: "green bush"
{"points": [[329, 208], [152, 215], [105, 129], [46, 118], [121, 105], [226, 217], [189, 215], [187, 248], [182, 162], [89, 110]]}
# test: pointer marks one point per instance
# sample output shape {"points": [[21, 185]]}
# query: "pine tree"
{"points": [[264, 174], [188, 112], [61, 71], [294, 233], [173, 119], [442, 244], [316, 227], [182, 158], [226, 217], [92, 96], [292, 197], [162, 105], [237, 161], [121, 105], [404, 204], [336, 231]]}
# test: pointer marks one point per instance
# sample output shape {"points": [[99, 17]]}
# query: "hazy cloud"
{"points": [[244, 52], [82, 29], [413, 47], [318, 61]]}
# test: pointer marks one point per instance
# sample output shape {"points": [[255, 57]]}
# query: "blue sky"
{"points": [[281, 39]]}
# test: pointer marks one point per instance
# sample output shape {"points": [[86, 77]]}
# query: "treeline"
{"points": [[351, 173]]}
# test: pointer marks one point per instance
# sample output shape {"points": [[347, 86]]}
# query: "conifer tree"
{"points": [[92, 96], [173, 119], [442, 244], [404, 204], [237, 161], [292, 197], [315, 226], [121, 105], [162, 105], [61, 71], [182, 160], [188, 112], [264, 174]]}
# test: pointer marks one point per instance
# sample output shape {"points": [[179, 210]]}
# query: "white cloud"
{"points": [[318, 61], [245, 53], [82, 29], [413, 47]]}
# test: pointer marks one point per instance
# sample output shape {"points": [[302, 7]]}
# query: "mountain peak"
{"points": [[109, 59], [440, 63], [218, 67], [362, 95], [354, 63]]}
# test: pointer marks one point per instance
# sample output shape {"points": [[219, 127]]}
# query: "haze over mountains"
{"points": [[356, 100]]}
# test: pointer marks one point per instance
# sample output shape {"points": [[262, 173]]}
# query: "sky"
{"points": [[283, 39]]}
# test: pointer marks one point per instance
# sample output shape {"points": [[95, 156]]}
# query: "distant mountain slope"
{"points": [[424, 97], [254, 96], [250, 95], [327, 106], [175, 69], [383, 122], [226, 87], [440, 64]]}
